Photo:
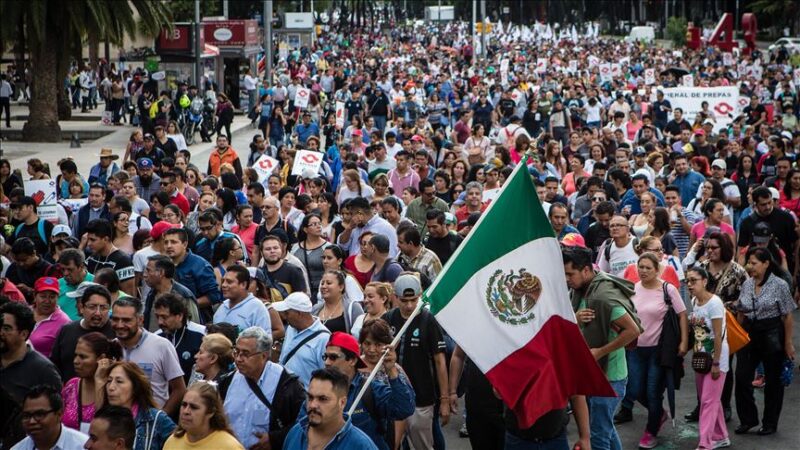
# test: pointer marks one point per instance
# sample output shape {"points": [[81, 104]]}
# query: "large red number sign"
{"points": [[750, 28], [723, 34]]}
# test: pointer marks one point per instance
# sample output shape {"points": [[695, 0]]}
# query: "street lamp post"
{"points": [[268, 41], [198, 67]]}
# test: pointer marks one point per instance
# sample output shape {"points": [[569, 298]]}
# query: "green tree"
{"points": [[53, 29], [183, 10], [782, 13], [676, 31]]}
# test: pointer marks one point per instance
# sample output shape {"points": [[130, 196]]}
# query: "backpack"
{"points": [[277, 292], [607, 249], [40, 227]]}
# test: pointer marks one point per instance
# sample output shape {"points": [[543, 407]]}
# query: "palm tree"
{"points": [[53, 29]]}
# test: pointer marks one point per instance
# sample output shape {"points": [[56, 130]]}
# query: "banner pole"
{"points": [[395, 341]]}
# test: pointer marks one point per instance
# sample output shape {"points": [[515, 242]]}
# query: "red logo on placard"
{"points": [[310, 158], [723, 108], [265, 164], [302, 93], [604, 69]]}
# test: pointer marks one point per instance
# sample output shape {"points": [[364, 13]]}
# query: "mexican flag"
{"points": [[503, 298]]}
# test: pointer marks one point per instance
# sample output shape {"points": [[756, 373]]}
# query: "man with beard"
{"points": [[21, 367], [278, 270], [95, 302], [73, 267], [147, 183], [99, 239], [154, 354], [325, 425], [191, 270], [150, 151], [96, 208], [186, 336]]}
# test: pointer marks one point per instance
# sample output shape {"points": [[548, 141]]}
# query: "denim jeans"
{"points": [[645, 384], [601, 418], [557, 443]]}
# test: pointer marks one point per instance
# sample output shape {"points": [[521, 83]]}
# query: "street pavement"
{"points": [[683, 436]]}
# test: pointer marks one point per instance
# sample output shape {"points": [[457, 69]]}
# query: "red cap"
{"points": [[573, 240], [699, 132], [417, 138], [349, 343], [159, 228], [46, 284], [356, 133]]}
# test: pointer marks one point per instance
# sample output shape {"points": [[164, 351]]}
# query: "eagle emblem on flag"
{"points": [[511, 296]]}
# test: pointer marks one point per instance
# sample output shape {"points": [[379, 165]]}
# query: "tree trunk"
{"points": [[42, 124], [94, 50], [64, 102]]}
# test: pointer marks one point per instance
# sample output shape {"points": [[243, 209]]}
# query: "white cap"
{"points": [[775, 194], [720, 163], [296, 301], [60, 229]]}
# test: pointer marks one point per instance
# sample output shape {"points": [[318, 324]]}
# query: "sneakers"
{"points": [[624, 415], [759, 381], [463, 431], [722, 444], [648, 440], [664, 418]]}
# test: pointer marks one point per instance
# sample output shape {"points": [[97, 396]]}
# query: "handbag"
{"points": [[701, 362], [737, 336]]}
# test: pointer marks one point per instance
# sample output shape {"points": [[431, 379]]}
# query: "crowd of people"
{"points": [[175, 303]]}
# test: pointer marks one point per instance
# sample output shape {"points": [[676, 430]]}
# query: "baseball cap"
{"points": [[699, 132], [149, 137], [640, 151], [160, 227], [258, 275], [573, 240], [356, 133], [349, 343], [762, 233], [708, 122], [60, 229], [407, 286], [720, 163], [775, 194], [296, 301], [416, 138], [81, 289], [145, 163], [46, 284]]}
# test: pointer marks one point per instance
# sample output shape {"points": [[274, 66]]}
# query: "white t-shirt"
{"points": [[140, 262], [619, 257], [700, 326]]}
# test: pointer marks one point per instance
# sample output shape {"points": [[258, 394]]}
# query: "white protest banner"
{"points": [[305, 160], [573, 66], [504, 67], [541, 65], [301, 98], [797, 77], [757, 71], [727, 59], [688, 80], [605, 72], [616, 70], [676, 264], [724, 101], [74, 204], [593, 61], [649, 76], [339, 115], [264, 167], [44, 194], [677, 53]]}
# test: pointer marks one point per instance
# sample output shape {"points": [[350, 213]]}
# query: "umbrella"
{"points": [[677, 72]]}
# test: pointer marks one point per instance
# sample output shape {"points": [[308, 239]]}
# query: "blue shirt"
{"points": [[197, 275], [348, 438], [250, 312], [306, 131], [246, 412], [205, 248], [307, 358], [567, 230], [631, 199], [688, 185]]}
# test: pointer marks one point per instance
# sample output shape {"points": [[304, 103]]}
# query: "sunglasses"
{"points": [[598, 199], [331, 356]]}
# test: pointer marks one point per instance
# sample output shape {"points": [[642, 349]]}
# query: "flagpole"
{"points": [[378, 365]]}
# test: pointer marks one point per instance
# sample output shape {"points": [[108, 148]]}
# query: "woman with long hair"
{"points": [[790, 196], [336, 311], [123, 383], [37, 169], [381, 186], [193, 177], [710, 188], [597, 154], [289, 213], [333, 258], [640, 223], [700, 165], [458, 172], [553, 156], [202, 422], [377, 301], [309, 249], [174, 133], [576, 172], [329, 215], [213, 360], [707, 323], [359, 265], [227, 252], [765, 311], [207, 200], [745, 175], [122, 238], [478, 143], [660, 227], [652, 244], [477, 173], [79, 392], [245, 227], [227, 203], [353, 187], [135, 145], [653, 297], [158, 201], [224, 115]]}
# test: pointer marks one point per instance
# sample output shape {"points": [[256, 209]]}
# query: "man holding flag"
{"points": [[530, 346]]}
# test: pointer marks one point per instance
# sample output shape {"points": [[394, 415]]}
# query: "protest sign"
{"points": [[305, 160], [43, 193]]}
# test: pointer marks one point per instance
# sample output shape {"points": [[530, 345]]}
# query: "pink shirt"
{"points": [[71, 394], [45, 332], [400, 182], [651, 308], [248, 236], [699, 229]]}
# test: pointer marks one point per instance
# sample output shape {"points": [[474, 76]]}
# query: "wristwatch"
{"points": [[715, 363]]}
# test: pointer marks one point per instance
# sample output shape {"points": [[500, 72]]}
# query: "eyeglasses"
{"points": [[332, 356], [95, 308], [204, 228], [36, 415], [598, 199], [692, 280], [655, 250], [245, 355], [618, 225]]}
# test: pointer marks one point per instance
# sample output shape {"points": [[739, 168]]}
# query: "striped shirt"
{"points": [[681, 237]]}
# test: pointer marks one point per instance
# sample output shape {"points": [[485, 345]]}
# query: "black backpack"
{"points": [[608, 243]]}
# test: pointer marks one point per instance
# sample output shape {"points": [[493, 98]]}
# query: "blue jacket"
{"points": [[155, 423], [688, 185], [205, 248], [348, 438], [390, 402], [197, 275]]}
